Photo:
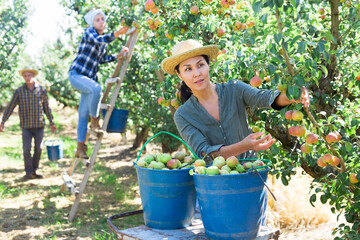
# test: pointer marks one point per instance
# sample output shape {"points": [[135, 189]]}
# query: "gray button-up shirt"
{"points": [[203, 133]]}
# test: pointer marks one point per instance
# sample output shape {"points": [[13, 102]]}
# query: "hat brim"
{"points": [[21, 72], [169, 63]]}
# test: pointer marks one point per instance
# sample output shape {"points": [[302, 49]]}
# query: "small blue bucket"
{"points": [[117, 122], [231, 206], [167, 196], [54, 149]]}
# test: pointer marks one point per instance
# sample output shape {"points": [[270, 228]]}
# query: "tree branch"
{"points": [[286, 56]]}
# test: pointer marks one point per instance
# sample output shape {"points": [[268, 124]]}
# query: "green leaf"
{"points": [[275, 60], [299, 80], [327, 56], [333, 210], [342, 190], [348, 147], [357, 197], [295, 39], [330, 37], [318, 76], [271, 69], [277, 37], [349, 218], [302, 46], [324, 69], [321, 47], [312, 200], [284, 180], [293, 92], [323, 199], [264, 18], [256, 7], [279, 3], [273, 49], [308, 63]]}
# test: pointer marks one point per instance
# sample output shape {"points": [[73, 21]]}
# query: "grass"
{"points": [[45, 208], [40, 206], [10, 191]]}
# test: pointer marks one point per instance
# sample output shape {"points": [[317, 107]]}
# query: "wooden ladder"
{"points": [[116, 78]]}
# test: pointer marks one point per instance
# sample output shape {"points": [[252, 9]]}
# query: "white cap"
{"points": [[89, 17]]}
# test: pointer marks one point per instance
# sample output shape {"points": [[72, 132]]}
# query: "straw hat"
{"points": [[185, 50], [28, 69]]}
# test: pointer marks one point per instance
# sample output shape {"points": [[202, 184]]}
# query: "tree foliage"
{"points": [[288, 44], [13, 15], [55, 63]]}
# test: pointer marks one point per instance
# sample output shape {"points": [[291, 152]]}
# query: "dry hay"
{"points": [[292, 208]]}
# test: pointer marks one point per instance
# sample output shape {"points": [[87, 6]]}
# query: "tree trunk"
{"points": [[335, 22], [141, 137], [168, 147]]}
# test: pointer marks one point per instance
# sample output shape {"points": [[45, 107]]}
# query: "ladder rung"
{"points": [[130, 31], [69, 184], [67, 178], [73, 190], [112, 80], [86, 162], [95, 134], [104, 106]]}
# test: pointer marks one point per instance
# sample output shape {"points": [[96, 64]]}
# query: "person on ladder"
{"points": [[82, 73]]}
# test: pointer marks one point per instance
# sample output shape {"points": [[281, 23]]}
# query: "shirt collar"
{"points": [[217, 88], [36, 86]]}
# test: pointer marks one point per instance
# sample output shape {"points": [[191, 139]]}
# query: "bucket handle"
{"points": [[264, 182], [168, 134], [58, 133]]}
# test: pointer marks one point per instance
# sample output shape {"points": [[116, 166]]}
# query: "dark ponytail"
{"points": [[185, 91]]}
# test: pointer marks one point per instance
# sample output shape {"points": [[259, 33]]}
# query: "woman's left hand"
{"points": [[122, 52], [304, 98]]}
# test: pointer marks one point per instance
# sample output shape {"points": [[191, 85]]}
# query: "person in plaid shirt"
{"points": [[82, 73], [33, 103]]}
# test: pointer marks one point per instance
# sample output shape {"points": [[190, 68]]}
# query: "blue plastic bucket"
{"points": [[54, 149], [167, 197], [231, 206], [117, 122]]}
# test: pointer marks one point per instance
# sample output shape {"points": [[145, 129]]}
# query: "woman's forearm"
{"points": [[255, 142], [282, 100], [230, 150]]}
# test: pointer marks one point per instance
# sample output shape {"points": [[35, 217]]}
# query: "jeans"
{"points": [[89, 102], [32, 162]]}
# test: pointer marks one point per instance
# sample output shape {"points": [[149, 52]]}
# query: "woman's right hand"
{"points": [[257, 143], [121, 31]]}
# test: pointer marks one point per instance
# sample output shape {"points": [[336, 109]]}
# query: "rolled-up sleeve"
{"points": [[193, 136], [254, 97], [13, 103], [92, 36], [108, 58]]}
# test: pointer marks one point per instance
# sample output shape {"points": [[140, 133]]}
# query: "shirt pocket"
{"points": [[39, 99]]}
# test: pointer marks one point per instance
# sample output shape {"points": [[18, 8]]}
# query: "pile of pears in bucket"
{"points": [[220, 166], [164, 161], [231, 165]]}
